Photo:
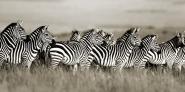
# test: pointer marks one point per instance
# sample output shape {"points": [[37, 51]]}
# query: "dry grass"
{"points": [[43, 80]]}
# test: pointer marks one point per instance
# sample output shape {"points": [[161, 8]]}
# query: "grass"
{"points": [[44, 80]]}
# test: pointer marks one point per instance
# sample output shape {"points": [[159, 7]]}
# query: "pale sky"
{"points": [[70, 14]]}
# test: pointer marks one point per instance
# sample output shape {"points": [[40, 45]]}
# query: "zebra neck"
{"points": [[127, 46], [10, 40], [173, 45], [36, 44], [86, 42]]}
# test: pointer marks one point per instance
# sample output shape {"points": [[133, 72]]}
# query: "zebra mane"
{"points": [[7, 28], [36, 33], [87, 33], [151, 35], [75, 32], [175, 42], [126, 35], [145, 38]]}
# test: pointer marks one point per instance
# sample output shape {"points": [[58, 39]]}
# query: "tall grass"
{"points": [[44, 80]]}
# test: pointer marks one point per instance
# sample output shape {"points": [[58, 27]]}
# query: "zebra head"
{"points": [[93, 36], [134, 39], [100, 37], [150, 42], [75, 36], [108, 39], [129, 32], [16, 30], [19, 31], [46, 36], [178, 40], [42, 37]]}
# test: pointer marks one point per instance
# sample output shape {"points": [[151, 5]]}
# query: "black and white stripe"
{"points": [[8, 38], [168, 51], [74, 52], [44, 56], [26, 51], [139, 57], [179, 60], [115, 55]]}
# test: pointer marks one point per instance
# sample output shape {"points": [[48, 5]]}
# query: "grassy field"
{"points": [[43, 80]]}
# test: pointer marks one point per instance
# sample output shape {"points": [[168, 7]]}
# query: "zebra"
{"points": [[179, 60], [44, 56], [26, 51], [8, 38], [115, 55], [75, 52], [168, 51], [139, 57]]}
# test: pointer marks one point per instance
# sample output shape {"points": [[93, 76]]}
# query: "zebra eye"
{"points": [[46, 34]]}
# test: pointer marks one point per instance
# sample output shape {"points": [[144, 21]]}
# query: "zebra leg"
{"points": [[2, 58], [85, 65], [29, 65], [177, 68], [75, 68], [55, 61], [119, 65], [170, 64], [54, 64]]}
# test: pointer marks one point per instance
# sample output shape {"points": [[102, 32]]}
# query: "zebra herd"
{"points": [[93, 48]]}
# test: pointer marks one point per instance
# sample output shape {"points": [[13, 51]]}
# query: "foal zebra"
{"points": [[115, 55], [8, 38], [139, 57], [169, 51], [26, 51], [75, 52]]}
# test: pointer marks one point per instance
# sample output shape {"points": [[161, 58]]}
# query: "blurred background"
{"points": [[164, 17]]}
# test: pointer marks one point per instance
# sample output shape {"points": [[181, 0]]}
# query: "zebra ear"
{"points": [[103, 33], [111, 34], [135, 30], [94, 31], [154, 37], [179, 35], [138, 29], [19, 22], [75, 31], [45, 28]]}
